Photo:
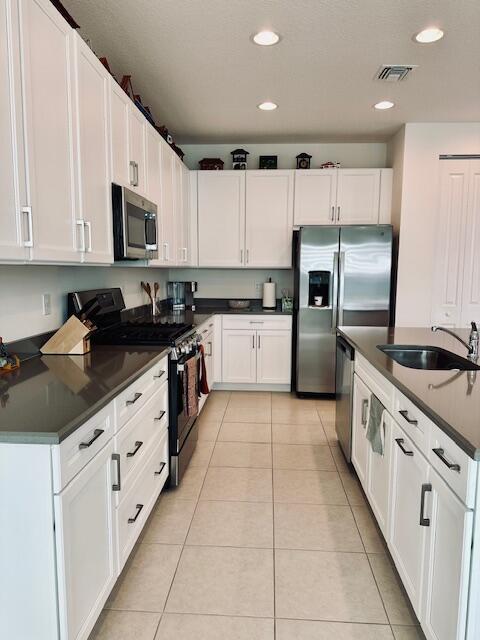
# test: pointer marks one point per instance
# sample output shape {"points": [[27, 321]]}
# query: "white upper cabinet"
{"points": [[46, 41], [137, 126], [269, 218], [92, 156], [153, 160], [166, 211], [315, 196], [119, 108], [221, 218], [181, 236], [358, 196], [186, 244]]}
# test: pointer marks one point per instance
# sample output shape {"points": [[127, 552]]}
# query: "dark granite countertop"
{"points": [[213, 306], [49, 397], [451, 399]]}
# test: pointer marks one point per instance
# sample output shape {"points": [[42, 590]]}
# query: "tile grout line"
{"points": [[273, 528]]}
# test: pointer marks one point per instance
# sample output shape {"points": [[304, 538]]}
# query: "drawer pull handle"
{"points": [[162, 413], [400, 442], [162, 467], [138, 444], [162, 373], [441, 454], [96, 434], [135, 398], [364, 412], [138, 507], [424, 522], [118, 485], [404, 414]]}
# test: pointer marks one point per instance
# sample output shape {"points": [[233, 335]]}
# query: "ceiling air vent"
{"points": [[394, 72]]}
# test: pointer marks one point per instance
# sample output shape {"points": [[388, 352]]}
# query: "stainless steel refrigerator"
{"points": [[342, 277]]}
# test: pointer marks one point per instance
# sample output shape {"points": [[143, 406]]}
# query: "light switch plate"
{"points": [[47, 304]]}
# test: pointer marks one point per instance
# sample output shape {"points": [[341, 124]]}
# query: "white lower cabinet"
{"points": [[274, 357], [84, 533], [239, 356], [378, 476], [360, 444]]}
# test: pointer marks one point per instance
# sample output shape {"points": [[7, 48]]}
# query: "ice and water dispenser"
{"points": [[319, 289]]}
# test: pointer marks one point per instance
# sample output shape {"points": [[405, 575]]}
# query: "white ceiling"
{"points": [[193, 63]]}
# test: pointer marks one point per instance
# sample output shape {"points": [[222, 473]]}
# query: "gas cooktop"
{"points": [[141, 333]]}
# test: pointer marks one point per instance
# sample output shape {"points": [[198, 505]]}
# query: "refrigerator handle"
{"points": [[335, 291], [341, 287]]}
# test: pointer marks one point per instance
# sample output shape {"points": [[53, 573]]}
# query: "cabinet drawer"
{"points": [[379, 385], [142, 432], [71, 455], [457, 469], [137, 504], [136, 395], [412, 420], [257, 322]]}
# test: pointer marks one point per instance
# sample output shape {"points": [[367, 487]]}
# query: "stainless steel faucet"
{"points": [[471, 345]]}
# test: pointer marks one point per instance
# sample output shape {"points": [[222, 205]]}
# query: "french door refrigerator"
{"points": [[342, 277]]}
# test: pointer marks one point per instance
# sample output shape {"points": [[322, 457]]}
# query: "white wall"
{"points": [[21, 289], [419, 203], [234, 283], [395, 153], [354, 155]]}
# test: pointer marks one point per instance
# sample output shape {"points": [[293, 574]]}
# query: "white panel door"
{"points": [[14, 231], [85, 546], [239, 356], [47, 49], [181, 250], [407, 536], [119, 109], [471, 262], [274, 357], [269, 218], [187, 252], [166, 221], [94, 210], [447, 567], [153, 155], [358, 196], [137, 126], [450, 243], [315, 196], [378, 475], [360, 444], [221, 218]]}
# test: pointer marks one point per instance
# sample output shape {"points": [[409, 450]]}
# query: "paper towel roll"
{"points": [[269, 295]]}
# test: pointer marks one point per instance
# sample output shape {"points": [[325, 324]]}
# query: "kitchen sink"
{"points": [[426, 357]]}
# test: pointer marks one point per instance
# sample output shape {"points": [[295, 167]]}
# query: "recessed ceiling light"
{"points": [[267, 106], [384, 104], [432, 34], [266, 38]]}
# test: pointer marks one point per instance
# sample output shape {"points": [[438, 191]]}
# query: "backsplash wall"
{"points": [[21, 289]]}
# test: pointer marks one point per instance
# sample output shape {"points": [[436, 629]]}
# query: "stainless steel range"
{"points": [[115, 327]]}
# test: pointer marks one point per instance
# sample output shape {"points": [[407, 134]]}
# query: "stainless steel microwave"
{"points": [[134, 225]]}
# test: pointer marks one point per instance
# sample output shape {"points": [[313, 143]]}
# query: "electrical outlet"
{"points": [[47, 304], [258, 286]]}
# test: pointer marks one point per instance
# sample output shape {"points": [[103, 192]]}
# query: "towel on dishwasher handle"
{"points": [[375, 433]]}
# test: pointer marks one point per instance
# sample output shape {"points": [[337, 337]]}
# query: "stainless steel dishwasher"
{"points": [[344, 396]]}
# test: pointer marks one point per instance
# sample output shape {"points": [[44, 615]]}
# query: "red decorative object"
{"points": [[211, 164]]}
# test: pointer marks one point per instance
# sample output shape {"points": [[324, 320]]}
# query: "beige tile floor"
{"points": [[269, 537]]}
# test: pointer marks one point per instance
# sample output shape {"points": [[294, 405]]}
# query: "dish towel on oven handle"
{"points": [[203, 385], [375, 434], [191, 386]]}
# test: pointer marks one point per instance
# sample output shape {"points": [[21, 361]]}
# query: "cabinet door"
{"points": [[269, 219], [450, 242], [180, 230], [378, 476], [358, 196], [166, 223], [221, 218], [137, 126], [47, 40], [94, 212], [119, 108], [274, 357], [315, 196], [239, 356], [186, 214], [12, 177], [153, 154], [471, 261], [407, 537], [360, 444], [85, 546], [447, 567]]}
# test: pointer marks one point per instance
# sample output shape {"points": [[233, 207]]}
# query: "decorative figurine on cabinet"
{"points": [[267, 162], [303, 161], [239, 159], [211, 164]]}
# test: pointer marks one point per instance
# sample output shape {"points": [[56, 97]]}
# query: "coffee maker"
{"points": [[180, 295]]}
